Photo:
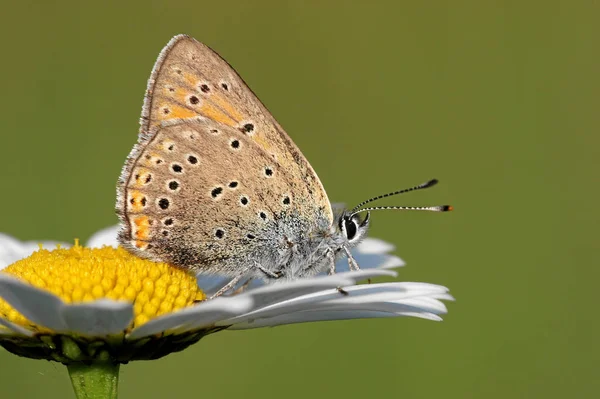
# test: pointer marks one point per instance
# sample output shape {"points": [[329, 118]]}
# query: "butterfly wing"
{"points": [[191, 80], [212, 168]]}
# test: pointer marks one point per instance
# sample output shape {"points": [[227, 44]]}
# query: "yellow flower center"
{"points": [[83, 274]]}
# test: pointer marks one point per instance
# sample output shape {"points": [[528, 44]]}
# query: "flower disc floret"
{"points": [[80, 274]]}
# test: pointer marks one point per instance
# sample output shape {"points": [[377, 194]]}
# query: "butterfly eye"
{"points": [[351, 228]]}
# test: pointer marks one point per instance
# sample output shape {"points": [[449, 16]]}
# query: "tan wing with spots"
{"points": [[190, 80], [197, 194]]}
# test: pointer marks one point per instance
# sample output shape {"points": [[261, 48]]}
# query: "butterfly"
{"points": [[215, 185]]}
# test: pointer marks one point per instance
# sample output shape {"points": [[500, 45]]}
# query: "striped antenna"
{"points": [[438, 208], [427, 184]]}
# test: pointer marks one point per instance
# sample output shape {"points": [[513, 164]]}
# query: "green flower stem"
{"points": [[95, 381]]}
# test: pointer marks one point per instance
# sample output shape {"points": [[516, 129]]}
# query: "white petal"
{"points": [[383, 302], [105, 237], [203, 314], [270, 302], [426, 316], [369, 261], [98, 318], [211, 283], [392, 297], [235, 305], [38, 306], [374, 246], [12, 250], [12, 328], [305, 317], [407, 289], [443, 297], [391, 262], [362, 275], [409, 299], [278, 292]]}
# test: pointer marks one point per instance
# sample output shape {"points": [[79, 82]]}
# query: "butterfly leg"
{"points": [[243, 287], [351, 261], [331, 257], [230, 285], [268, 273]]}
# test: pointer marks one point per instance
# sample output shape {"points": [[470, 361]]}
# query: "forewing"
{"points": [[190, 80]]}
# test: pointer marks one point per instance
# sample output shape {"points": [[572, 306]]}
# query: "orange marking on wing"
{"points": [[142, 230], [152, 160], [165, 145], [227, 107], [216, 114], [140, 176], [175, 112], [176, 92], [182, 95], [262, 142], [140, 244], [190, 79], [135, 200]]}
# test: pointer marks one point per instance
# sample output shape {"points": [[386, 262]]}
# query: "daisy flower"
{"points": [[93, 308]]}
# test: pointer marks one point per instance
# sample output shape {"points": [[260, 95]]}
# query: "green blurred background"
{"points": [[498, 100]]}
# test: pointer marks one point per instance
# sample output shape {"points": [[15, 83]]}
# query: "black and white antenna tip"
{"points": [[428, 184]]}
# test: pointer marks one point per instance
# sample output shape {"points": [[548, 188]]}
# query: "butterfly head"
{"points": [[352, 228]]}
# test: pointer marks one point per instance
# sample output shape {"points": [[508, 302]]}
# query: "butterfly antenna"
{"points": [[427, 184], [438, 208]]}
